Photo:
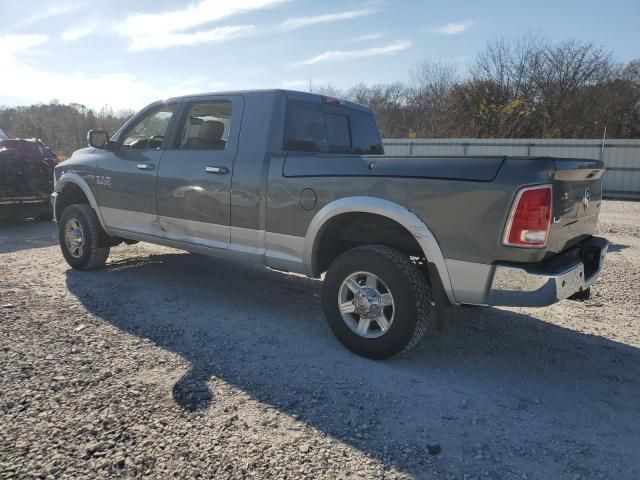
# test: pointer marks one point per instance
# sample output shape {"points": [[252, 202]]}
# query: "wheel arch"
{"points": [[382, 208], [66, 190]]}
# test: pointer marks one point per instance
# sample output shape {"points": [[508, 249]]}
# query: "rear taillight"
{"points": [[530, 218]]}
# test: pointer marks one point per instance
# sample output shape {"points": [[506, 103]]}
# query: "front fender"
{"points": [[74, 178]]}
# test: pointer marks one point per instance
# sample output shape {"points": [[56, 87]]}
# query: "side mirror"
{"points": [[97, 138]]}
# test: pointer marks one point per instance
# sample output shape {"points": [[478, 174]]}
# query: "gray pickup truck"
{"points": [[299, 182]]}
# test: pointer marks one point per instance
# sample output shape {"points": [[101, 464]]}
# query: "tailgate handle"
{"points": [[217, 170]]}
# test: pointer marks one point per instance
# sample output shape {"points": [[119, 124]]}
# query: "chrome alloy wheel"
{"points": [[366, 304], [74, 238]]}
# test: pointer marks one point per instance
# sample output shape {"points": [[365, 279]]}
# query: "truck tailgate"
{"points": [[577, 195]]}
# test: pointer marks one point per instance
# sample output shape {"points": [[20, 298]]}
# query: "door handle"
{"points": [[218, 170], [146, 166]]}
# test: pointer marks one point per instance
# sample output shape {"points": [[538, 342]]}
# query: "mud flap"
{"points": [[444, 310]]}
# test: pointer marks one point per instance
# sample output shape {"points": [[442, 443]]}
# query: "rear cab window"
{"points": [[316, 127]]}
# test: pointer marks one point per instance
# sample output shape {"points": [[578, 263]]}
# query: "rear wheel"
{"points": [[79, 234], [377, 302]]}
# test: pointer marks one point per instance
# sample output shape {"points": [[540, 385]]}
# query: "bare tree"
{"points": [[429, 99], [63, 127], [502, 89], [388, 102], [567, 70]]}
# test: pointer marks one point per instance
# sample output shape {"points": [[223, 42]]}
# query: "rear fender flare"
{"points": [[385, 208]]}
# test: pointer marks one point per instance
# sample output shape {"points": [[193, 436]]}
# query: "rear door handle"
{"points": [[146, 166], [218, 170]]}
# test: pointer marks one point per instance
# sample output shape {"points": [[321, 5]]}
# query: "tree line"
{"points": [[528, 88], [524, 88], [63, 127]]}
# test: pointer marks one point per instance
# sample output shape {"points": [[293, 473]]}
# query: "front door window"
{"points": [[149, 132]]}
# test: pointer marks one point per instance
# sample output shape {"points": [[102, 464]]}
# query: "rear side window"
{"points": [[366, 139], [338, 130], [206, 126], [315, 127]]}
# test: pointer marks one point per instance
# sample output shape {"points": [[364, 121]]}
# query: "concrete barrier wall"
{"points": [[621, 157]]}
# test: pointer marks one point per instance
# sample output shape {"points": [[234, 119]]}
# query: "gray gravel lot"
{"points": [[172, 365]]}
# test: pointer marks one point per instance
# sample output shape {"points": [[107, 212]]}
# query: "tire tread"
{"points": [[418, 285], [416, 281], [97, 254]]}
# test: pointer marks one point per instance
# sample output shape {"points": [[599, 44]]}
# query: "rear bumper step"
{"points": [[551, 281]]}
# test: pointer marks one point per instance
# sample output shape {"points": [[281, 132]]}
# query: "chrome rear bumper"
{"points": [[551, 281]]}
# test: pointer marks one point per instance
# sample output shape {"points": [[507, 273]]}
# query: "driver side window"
{"points": [[148, 132]]}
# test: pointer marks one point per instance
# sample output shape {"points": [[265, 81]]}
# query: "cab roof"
{"points": [[290, 94]]}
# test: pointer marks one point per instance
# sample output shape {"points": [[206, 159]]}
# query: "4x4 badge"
{"points": [[104, 181]]}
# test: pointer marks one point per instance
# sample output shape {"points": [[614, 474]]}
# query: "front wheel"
{"points": [[79, 234], [377, 302]]}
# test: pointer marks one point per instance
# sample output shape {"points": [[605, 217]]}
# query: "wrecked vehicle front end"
{"points": [[26, 180]]}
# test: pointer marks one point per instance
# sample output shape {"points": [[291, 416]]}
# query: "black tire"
{"points": [[92, 255], [414, 311]]}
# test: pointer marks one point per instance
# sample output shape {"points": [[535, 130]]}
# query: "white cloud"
{"points": [[55, 10], [77, 33], [14, 44], [299, 22], [453, 28], [21, 82], [341, 55], [367, 38], [160, 30], [215, 35]]}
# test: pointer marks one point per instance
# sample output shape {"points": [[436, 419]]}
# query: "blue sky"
{"points": [[127, 53]]}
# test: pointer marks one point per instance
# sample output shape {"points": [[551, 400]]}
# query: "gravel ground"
{"points": [[172, 365]]}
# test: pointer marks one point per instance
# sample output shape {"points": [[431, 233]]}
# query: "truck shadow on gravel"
{"points": [[492, 387], [616, 247]]}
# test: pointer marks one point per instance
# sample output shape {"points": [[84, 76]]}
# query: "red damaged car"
{"points": [[26, 179]]}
